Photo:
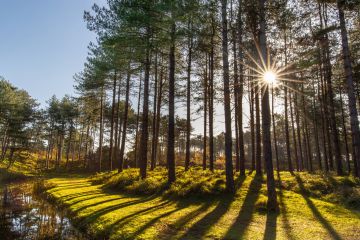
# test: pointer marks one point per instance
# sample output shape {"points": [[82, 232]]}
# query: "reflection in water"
{"points": [[23, 215]]}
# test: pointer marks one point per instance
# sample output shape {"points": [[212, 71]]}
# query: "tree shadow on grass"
{"points": [[124, 220], [283, 211], [96, 214], [199, 229], [237, 229], [182, 221], [270, 227], [330, 229], [174, 228], [70, 186], [96, 203], [79, 195]]}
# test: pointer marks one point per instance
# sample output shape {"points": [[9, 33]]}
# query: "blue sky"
{"points": [[43, 43]]}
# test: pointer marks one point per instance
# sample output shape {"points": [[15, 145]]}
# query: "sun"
{"points": [[270, 78]]}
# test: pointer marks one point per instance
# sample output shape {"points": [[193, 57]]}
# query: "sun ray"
{"points": [[260, 55], [253, 59], [254, 69], [291, 80]]}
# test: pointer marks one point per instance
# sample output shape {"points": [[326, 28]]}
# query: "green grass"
{"points": [[18, 171], [103, 207], [194, 182]]}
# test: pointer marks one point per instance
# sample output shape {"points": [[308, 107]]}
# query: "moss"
{"points": [[118, 215]]}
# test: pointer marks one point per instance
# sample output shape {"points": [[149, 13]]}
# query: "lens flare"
{"points": [[270, 78]]}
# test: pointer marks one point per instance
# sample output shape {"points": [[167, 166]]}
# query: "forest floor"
{"points": [[310, 208]]}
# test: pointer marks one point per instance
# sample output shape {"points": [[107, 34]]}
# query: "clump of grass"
{"points": [[336, 189], [100, 178], [130, 182], [194, 182], [198, 182]]}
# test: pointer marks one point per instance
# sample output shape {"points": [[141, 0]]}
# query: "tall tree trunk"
{"points": [[211, 97], [236, 89], [236, 100], [137, 125], [117, 126], [125, 120], [188, 97], [86, 163], [101, 134], [158, 113], [293, 131], [274, 130], [205, 113], [343, 121], [227, 110], [330, 96], [81, 141], [316, 131], [287, 134], [68, 147], [266, 118], [324, 98], [354, 122], [171, 130], [240, 93], [306, 131], [328, 129], [111, 150], [153, 145], [145, 114], [258, 131], [300, 161], [252, 124]]}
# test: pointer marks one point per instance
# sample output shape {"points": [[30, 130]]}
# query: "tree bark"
{"points": [[205, 114], [101, 134], [266, 119], [111, 150], [354, 122], [145, 114], [171, 130], [125, 120], [228, 139], [188, 97]]}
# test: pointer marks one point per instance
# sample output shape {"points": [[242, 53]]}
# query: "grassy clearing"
{"points": [[106, 213]]}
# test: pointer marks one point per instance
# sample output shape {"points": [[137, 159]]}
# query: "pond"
{"points": [[24, 215]]}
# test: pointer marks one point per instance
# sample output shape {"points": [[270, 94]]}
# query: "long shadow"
{"points": [[97, 203], [78, 195], [270, 227], [283, 211], [70, 186], [315, 211], [245, 215], [154, 220], [184, 220], [94, 216], [200, 228], [124, 220]]}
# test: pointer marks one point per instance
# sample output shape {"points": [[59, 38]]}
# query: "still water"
{"points": [[24, 215]]}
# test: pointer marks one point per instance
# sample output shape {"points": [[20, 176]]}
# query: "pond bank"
{"points": [[25, 215]]}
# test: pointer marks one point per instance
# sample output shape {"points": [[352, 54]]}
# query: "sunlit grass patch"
{"points": [[105, 213]]}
